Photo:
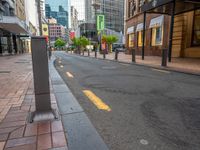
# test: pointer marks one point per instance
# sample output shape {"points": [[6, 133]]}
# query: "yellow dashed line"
{"points": [[69, 75], [163, 71], [96, 100]]}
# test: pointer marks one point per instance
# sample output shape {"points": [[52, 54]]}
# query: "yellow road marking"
{"points": [[163, 71], [96, 100], [69, 75], [61, 66]]}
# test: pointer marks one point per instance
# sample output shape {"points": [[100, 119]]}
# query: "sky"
{"points": [[80, 7]]}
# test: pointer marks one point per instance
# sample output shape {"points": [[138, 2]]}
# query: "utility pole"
{"points": [[39, 16]]}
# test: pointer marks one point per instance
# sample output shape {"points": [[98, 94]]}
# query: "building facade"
{"points": [[74, 18], [59, 10], [172, 25], [12, 26], [112, 9]]}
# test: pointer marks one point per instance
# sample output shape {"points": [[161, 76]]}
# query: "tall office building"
{"points": [[112, 9], [60, 10]]}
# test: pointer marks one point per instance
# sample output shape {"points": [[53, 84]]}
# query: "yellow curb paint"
{"points": [[69, 75], [61, 66], [96, 100], [163, 71]]}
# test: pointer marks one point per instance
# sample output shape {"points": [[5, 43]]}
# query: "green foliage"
{"points": [[76, 42], [59, 43], [109, 39], [84, 41]]}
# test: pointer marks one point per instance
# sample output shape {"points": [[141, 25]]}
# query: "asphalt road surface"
{"points": [[150, 109]]}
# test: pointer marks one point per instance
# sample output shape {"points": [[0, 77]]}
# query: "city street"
{"points": [[135, 107]]}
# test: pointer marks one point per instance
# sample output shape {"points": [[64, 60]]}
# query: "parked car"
{"points": [[119, 47]]}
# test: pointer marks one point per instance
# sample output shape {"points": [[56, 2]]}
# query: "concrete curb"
{"points": [[80, 133], [144, 65]]}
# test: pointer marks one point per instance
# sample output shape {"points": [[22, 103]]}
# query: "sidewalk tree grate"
{"points": [[5, 71]]}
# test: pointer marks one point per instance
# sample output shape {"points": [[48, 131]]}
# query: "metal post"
{"points": [[41, 79], [88, 52], [116, 54], [143, 36], [133, 55], [83, 52], [95, 49], [164, 57], [39, 16], [1, 50], [171, 32], [104, 54]]}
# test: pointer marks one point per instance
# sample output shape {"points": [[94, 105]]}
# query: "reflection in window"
{"points": [[157, 36], [196, 31], [140, 38]]}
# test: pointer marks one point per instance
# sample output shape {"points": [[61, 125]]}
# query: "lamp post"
{"points": [[96, 6]]}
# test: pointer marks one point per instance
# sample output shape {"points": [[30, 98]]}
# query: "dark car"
{"points": [[119, 47]]}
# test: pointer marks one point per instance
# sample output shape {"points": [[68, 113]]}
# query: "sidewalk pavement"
{"points": [[74, 131], [186, 65], [16, 101]]}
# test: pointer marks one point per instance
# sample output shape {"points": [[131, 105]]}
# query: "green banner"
{"points": [[100, 22]]}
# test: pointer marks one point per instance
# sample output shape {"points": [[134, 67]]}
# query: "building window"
{"points": [[140, 38], [196, 30], [131, 40], [131, 8], [157, 36]]}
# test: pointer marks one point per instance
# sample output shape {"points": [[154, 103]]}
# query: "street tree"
{"points": [[109, 40], [59, 43]]}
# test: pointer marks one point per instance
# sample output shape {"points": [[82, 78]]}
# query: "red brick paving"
{"points": [[16, 101]]}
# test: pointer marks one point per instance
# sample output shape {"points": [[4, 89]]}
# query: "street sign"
{"points": [[100, 22]]}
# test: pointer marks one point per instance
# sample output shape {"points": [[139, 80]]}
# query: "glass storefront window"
{"points": [[196, 30], [140, 36], [131, 40], [157, 36]]}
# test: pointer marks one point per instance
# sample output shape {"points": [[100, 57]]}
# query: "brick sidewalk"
{"points": [[187, 65], [16, 101]]}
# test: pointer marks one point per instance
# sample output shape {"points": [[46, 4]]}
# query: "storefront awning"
{"points": [[130, 30], [165, 6], [13, 25], [156, 22], [139, 27]]}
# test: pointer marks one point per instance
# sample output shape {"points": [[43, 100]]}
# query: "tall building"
{"points": [[60, 10], [112, 9], [163, 24], [79, 5], [74, 18]]}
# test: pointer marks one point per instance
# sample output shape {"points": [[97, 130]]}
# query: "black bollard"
{"points": [[164, 57], [133, 55], [88, 53], [116, 54], [104, 54]]}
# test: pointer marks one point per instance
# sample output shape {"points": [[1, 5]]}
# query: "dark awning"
{"points": [[165, 6]]}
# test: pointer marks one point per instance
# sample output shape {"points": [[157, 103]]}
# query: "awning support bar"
{"points": [[171, 32], [143, 36]]}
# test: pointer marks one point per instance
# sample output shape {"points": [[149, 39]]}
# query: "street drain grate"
{"points": [[5, 71]]}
